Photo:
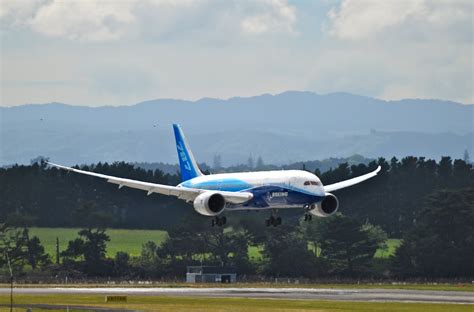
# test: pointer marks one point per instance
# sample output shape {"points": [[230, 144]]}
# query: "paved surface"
{"points": [[381, 295], [63, 307]]}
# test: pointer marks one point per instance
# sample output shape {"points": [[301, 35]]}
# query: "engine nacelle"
{"points": [[325, 208], [209, 203]]}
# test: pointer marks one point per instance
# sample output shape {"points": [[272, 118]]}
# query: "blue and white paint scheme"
{"points": [[214, 194]]}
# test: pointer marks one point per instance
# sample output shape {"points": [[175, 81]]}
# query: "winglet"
{"points": [[59, 166], [187, 163]]}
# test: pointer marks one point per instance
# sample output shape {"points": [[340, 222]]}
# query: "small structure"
{"points": [[210, 274], [115, 298]]}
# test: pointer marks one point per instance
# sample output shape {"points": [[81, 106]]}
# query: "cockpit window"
{"points": [[307, 183], [314, 183]]}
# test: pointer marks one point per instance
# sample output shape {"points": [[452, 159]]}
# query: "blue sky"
{"points": [[122, 52]]}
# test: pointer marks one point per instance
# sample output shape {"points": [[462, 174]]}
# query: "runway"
{"points": [[375, 295]]}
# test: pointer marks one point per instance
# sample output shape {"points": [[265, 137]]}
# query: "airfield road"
{"points": [[376, 295]]}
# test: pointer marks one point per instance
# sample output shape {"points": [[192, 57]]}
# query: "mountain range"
{"points": [[284, 128]]}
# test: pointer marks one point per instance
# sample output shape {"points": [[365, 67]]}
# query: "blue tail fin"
{"points": [[187, 163]]}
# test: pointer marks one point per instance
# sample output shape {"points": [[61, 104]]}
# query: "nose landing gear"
{"points": [[307, 216], [219, 221]]}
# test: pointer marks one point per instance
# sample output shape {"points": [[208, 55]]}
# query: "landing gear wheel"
{"points": [[219, 221], [273, 221]]}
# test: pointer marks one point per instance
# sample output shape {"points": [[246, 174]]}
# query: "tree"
{"points": [[21, 249], [227, 248], [285, 253], [90, 246], [376, 234], [147, 264], [347, 246], [13, 245], [250, 162], [445, 171], [121, 264], [466, 157], [441, 243], [74, 250], [87, 215], [35, 253], [217, 162], [95, 244], [184, 241]]}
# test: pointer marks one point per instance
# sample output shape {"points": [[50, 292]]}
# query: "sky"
{"points": [[121, 52]]}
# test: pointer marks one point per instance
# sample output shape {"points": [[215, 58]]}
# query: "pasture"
{"points": [[131, 241]]}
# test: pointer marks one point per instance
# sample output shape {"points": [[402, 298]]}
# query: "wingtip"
{"points": [[58, 166]]}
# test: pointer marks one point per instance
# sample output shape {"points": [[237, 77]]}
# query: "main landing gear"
{"points": [[307, 216], [219, 221], [275, 221]]}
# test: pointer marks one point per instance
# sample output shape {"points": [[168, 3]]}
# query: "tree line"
{"points": [[439, 246], [37, 195]]}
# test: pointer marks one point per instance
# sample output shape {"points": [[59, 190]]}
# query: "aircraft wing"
{"points": [[350, 182], [185, 193]]}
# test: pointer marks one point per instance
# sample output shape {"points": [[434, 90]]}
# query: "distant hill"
{"points": [[282, 129], [310, 165]]}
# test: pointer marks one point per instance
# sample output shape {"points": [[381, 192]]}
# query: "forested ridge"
{"points": [[37, 195]]}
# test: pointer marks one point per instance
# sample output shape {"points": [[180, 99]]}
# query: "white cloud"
{"points": [[364, 19], [84, 20], [276, 16], [17, 13], [397, 49], [90, 20]]}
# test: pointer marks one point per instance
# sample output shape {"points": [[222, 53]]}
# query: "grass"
{"points": [[176, 304], [131, 241], [392, 245]]}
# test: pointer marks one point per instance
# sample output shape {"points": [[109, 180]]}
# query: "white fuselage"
{"points": [[271, 189]]}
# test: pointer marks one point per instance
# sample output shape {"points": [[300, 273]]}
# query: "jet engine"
{"points": [[209, 203], [327, 207]]}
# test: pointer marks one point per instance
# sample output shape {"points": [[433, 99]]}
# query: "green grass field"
{"points": [[131, 241], [392, 244], [165, 303]]}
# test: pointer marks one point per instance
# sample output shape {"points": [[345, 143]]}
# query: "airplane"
{"points": [[214, 194]]}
